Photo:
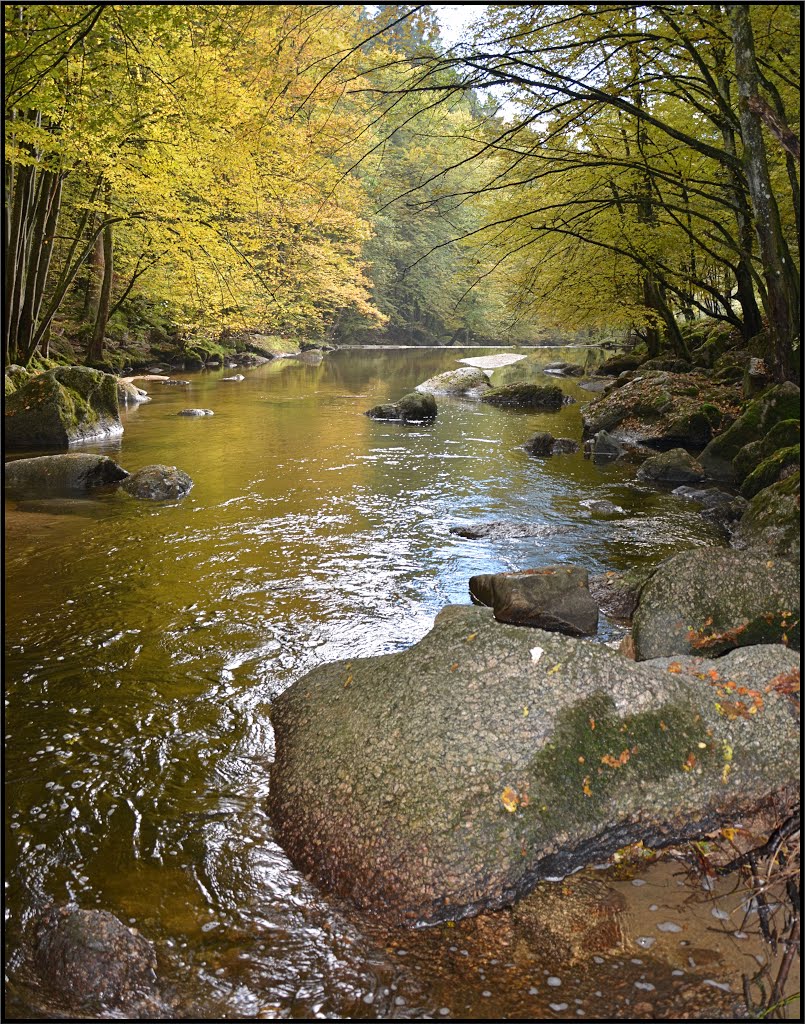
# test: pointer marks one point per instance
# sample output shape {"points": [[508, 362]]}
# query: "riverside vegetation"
{"points": [[219, 184]]}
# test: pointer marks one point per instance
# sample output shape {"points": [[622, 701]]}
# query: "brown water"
{"points": [[144, 644]]}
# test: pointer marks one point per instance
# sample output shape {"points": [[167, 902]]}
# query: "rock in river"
{"points": [[467, 381], [411, 408], [158, 483], [708, 601], [89, 956], [556, 598], [57, 408], [53, 475], [431, 783]]}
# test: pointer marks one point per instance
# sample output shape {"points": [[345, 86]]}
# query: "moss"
{"points": [[526, 396], [594, 750], [781, 435], [772, 520], [768, 472]]}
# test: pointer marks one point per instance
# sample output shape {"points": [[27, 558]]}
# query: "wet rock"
{"points": [[90, 957], [782, 435], [603, 447], [563, 369], [236, 377], [712, 600], [158, 483], [602, 506], [772, 521], [617, 594], [175, 383], [503, 530], [527, 396], [431, 783], [544, 443], [570, 920], [61, 475], [130, 394], [62, 406], [709, 497], [196, 412], [411, 408], [674, 466], [779, 403], [596, 386], [555, 598], [466, 381]]}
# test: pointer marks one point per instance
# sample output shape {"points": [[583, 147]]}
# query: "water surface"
{"points": [[145, 642]]}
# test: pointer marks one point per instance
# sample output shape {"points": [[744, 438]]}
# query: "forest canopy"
{"points": [[338, 172]]}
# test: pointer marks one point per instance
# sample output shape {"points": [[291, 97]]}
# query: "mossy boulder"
{"points": [[782, 435], [15, 377], [672, 467], [773, 520], [771, 470], [75, 473], [466, 381], [432, 783], [782, 402], [158, 483], [59, 407], [415, 407], [664, 410], [709, 601], [526, 396]]}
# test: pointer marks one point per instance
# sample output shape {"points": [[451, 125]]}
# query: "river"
{"points": [[145, 642]]}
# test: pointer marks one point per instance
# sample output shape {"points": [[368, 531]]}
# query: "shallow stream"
{"points": [[144, 644]]}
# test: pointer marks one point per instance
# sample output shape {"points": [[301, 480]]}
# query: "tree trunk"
{"points": [[782, 281], [95, 350]]}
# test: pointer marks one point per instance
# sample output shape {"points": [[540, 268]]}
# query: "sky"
{"points": [[454, 17]]}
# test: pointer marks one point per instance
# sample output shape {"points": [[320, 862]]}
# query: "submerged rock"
{"points": [[709, 601], [506, 530], [196, 412], [74, 473], [544, 443], [62, 406], [555, 598], [158, 483], [429, 784], [90, 957]]}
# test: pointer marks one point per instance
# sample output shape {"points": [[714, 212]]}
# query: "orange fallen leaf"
{"points": [[509, 799]]}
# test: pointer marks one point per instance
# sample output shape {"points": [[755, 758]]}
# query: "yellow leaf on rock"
{"points": [[509, 799]]}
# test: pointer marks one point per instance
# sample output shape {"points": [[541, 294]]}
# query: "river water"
{"points": [[144, 644]]}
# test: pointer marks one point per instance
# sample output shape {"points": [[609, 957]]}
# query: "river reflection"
{"points": [[145, 642]]}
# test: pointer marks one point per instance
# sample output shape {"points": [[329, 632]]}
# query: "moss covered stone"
{"points": [[772, 522], [779, 403], [61, 406], [770, 470], [781, 435], [526, 396], [429, 784]]}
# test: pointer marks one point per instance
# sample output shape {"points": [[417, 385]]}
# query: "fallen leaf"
{"points": [[509, 799], [675, 667], [585, 786]]}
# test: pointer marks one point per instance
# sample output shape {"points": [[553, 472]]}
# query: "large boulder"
{"points": [[671, 467], [158, 483], [429, 784], [62, 406], [75, 473], [776, 467], [664, 410], [556, 598], [544, 443], [90, 957], [782, 435], [527, 396], [773, 520], [709, 601], [15, 377], [467, 381], [616, 365], [779, 403]]}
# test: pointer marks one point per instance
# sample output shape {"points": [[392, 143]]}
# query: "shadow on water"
{"points": [[144, 644]]}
